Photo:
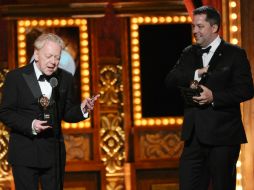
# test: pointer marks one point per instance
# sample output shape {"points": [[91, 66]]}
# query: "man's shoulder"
{"points": [[231, 47], [190, 49], [17, 71]]}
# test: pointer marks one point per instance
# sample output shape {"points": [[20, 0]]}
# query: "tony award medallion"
{"points": [[44, 104]]}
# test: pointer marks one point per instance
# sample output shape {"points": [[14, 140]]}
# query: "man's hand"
{"points": [[40, 126], [88, 104], [206, 97], [202, 71]]}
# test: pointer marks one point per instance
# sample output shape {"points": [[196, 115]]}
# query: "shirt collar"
{"points": [[38, 73], [215, 43]]}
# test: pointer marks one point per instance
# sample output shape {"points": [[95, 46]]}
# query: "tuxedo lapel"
{"points": [[216, 56], [197, 57], [30, 78]]}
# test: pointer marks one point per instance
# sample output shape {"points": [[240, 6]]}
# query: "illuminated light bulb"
{"points": [[234, 28], [84, 35], [135, 41], [49, 22], [165, 121], [179, 121], [136, 64], [137, 101], [63, 22], [137, 115], [151, 122], [140, 19], [144, 122], [134, 20], [158, 122], [137, 108], [234, 41], [34, 22], [22, 60], [134, 26], [74, 125], [81, 125], [22, 30], [21, 23], [85, 94], [238, 163], [169, 19], [135, 49], [136, 79], [84, 57], [148, 19], [137, 122], [162, 19], [27, 23], [239, 176], [135, 56], [154, 20], [183, 19], [87, 124], [67, 125], [56, 22], [70, 21], [42, 22], [83, 28], [234, 16], [84, 21], [134, 34], [84, 43], [22, 44], [172, 121], [85, 80], [84, 50], [77, 21], [136, 86], [22, 52], [176, 19], [239, 187], [21, 37], [136, 71], [233, 4]]}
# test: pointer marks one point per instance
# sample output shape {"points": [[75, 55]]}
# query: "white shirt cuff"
{"points": [[196, 77], [33, 130], [85, 114]]}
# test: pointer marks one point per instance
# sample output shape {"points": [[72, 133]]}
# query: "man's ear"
{"points": [[36, 55], [215, 28]]}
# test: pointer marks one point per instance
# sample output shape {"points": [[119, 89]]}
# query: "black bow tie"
{"points": [[44, 77], [206, 50]]}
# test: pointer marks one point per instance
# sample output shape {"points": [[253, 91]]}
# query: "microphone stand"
{"points": [[57, 131]]}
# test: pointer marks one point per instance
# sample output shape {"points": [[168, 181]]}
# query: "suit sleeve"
{"points": [[72, 111], [182, 73], [9, 113], [240, 88]]}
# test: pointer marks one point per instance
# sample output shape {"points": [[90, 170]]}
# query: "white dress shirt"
{"points": [[206, 57], [45, 86]]}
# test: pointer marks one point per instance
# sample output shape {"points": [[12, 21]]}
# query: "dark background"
{"points": [[160, 47]]}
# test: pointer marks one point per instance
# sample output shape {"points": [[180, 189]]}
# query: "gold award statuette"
{"points": [[44, 104]]}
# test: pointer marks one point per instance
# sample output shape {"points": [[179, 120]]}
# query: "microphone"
{"points": [[53, 82]]}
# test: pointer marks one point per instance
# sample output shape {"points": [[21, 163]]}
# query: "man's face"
{"points": [[48, 57], [203, 32]]}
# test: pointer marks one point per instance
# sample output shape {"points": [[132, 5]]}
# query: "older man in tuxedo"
{"points": [[212, 129], [35, 99]]}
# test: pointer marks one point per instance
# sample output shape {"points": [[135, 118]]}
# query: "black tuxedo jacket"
{"points": [[230, 80], [20, 107]]}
